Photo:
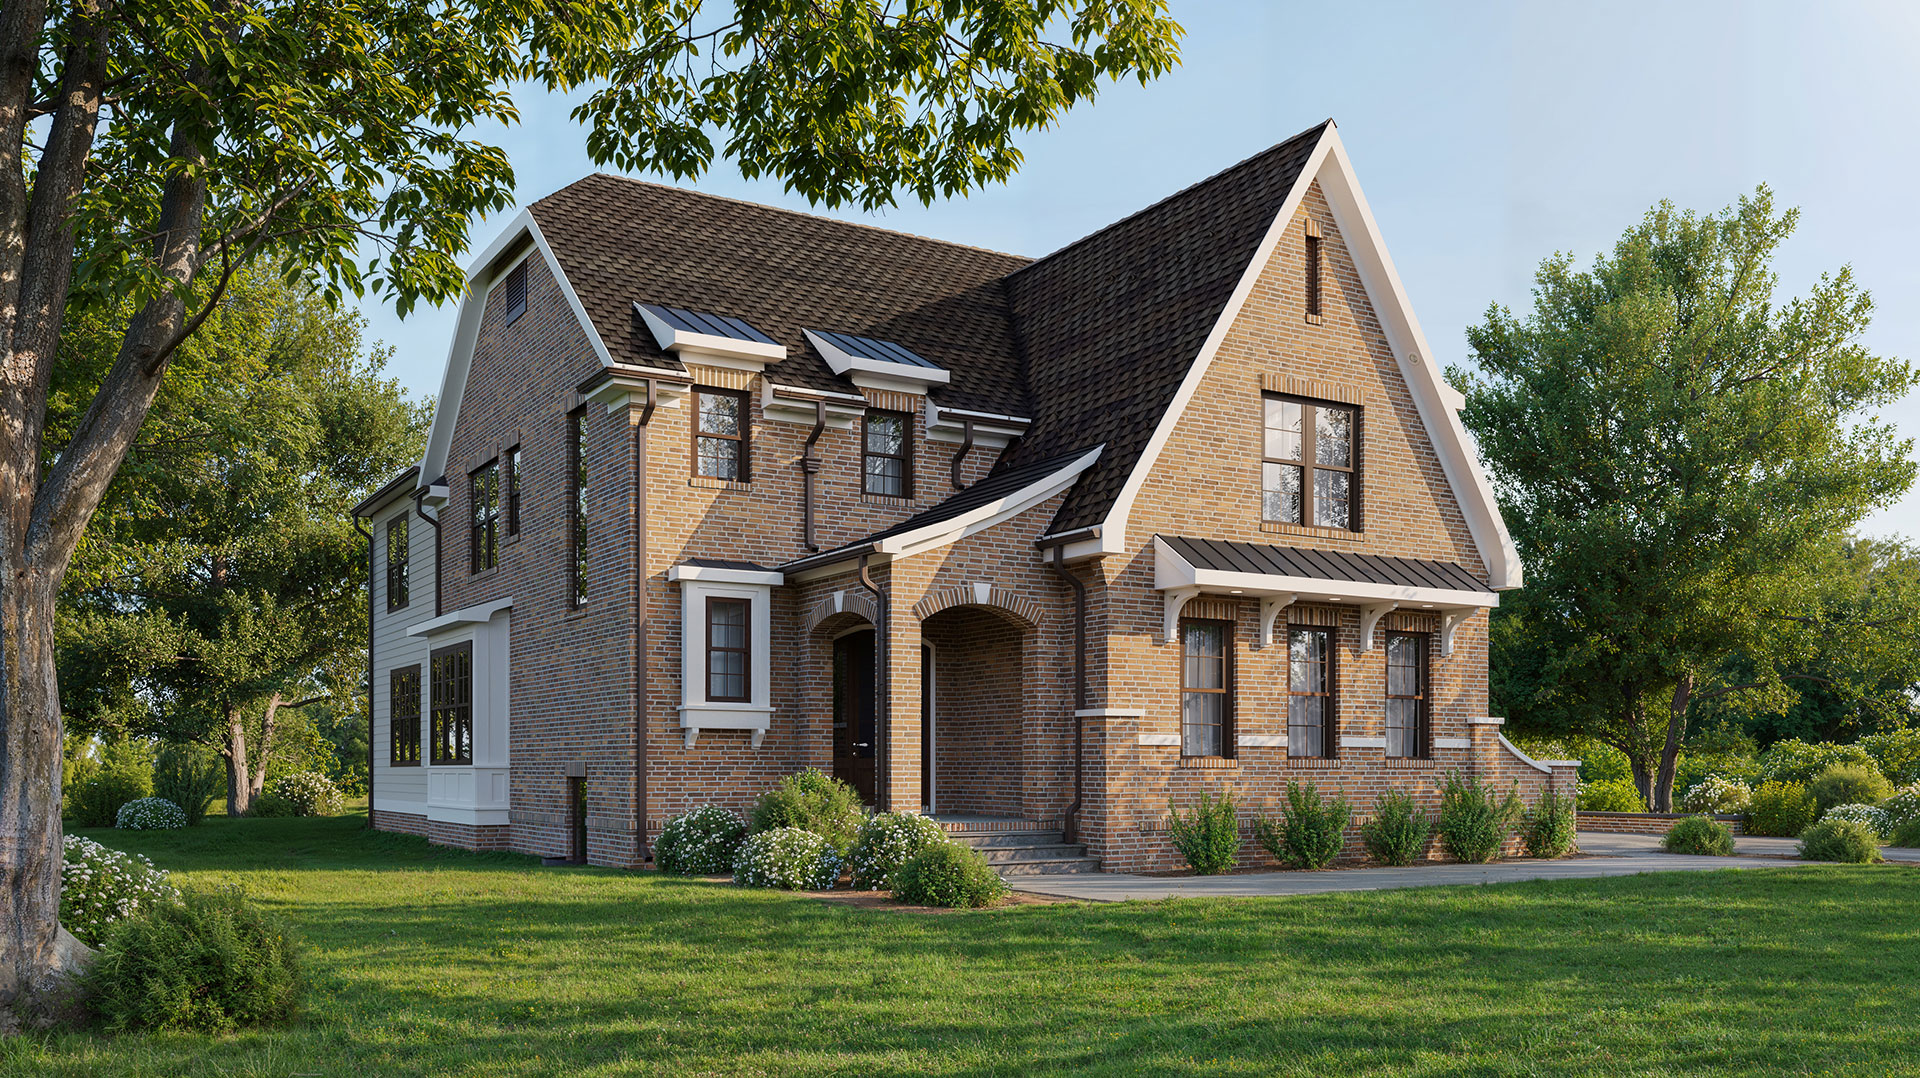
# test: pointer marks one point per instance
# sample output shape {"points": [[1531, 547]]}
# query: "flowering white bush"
{"points": [[887, 841], [787, 857], [150, 814], [1716, 793], [303, 793], [1902, 808], [701, 842], [1868, 816], [99, 886]]}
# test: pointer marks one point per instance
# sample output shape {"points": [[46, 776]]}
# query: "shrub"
{"points": [[702, 842], [1398, 831], [1794, 760], [1867, 816], [1474, 819], [1611, 795], [1311, 832], [1903, 807], [210, 964], [1907, 834], [887, 841], [1849, 784], [1699, 835], [1209, 835], [188, 776], [789, 858], [1897, 753], [1783, 809], [1717, 794], [1840, 840], [811, 801], [948, 874], [1548, 830], [150, 814], [303, 793], [101, 886], [97, 800]]}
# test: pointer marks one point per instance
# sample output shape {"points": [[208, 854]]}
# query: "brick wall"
{"points": [[1648, 823]]}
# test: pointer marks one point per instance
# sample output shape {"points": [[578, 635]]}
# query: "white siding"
{"points": [[399, 789]]}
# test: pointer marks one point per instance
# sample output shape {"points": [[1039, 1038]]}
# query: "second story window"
{"points": [[484, 494], [1308, 473], [398, 552], [720, 435], [513, 490], [886, 461], [577, 503]]}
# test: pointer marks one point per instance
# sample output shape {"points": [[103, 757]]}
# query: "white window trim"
{"points": [[697, 713]]}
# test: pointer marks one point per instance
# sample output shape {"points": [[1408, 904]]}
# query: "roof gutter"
{"points": [[1060, 539], [419, 496]]}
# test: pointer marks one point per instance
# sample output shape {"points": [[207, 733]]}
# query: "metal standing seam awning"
{"points": [[1184, 568]]}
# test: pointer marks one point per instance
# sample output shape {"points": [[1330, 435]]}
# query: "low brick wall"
{"points": [[464, 836], [1647, 823]]}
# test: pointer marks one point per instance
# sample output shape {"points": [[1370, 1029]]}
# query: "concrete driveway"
{"points": [[1605, 845]]}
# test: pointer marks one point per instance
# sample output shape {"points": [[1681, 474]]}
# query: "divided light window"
{"points": [[1407, 704], [398, 552], [577, 503], [483, 488], [452, 735], [885, 461], [403, 716], [728, 652], [1310, 693], [1309, 473], [1205, 688], [720, 435], [512, 291], [513, 490]]}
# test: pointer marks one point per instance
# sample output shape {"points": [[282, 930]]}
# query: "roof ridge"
{"points": [[1182, 193]]}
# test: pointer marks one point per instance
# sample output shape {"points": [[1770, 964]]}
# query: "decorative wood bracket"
{"points": [[1271, 607], [1370, 619], [1451, 620], [1176, 600]]}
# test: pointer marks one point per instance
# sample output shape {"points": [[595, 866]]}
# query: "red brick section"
{"points": [[465, 836], [1648, 823]]}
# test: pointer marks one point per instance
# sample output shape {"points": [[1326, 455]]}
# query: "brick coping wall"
{"points": [[1648, 823]]}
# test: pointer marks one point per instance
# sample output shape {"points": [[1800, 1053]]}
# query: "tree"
{"points": [[149, 149], [1672, 451], [222, 581]]}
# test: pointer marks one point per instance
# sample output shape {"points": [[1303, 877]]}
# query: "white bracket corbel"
{"points": [[1370, 618], [1271, 607], [1176, 599], [1451, 620], [758, 736], [693, 734]]}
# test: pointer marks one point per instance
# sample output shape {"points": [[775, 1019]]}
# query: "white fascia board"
{"points": [[1171, 572], [982, 517], [625, 388], [471, 615], [709, 348], [990, 431], [713, 574], [899, 377]]}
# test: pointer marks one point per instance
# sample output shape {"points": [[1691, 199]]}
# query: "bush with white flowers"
{"points": [[303, 793], [1717, 793], [99, 886], [702, 842], [1871, 817], [888, 840], [787, 857], [1903, 807], [150, 814]]}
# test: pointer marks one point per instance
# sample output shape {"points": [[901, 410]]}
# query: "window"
{"points": [[398, 552], [1205, 702], [483, 488], [1310, 693], [512, 291], [1308, 474], [403, 716], [577, 501], [513, 490], [720, 435], [1407, 695], [727, 651], [886, 461], [1313, 272], [453, 705]]}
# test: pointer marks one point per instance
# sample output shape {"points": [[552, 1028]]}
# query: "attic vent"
{"points": [[1313, 271], [513, 293]]}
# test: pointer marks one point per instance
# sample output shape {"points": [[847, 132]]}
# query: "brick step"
{"points": [[1004, 840], [1055, 867], [1053, 851]]}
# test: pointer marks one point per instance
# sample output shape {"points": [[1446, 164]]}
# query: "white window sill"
{"points": [[697, 717]]}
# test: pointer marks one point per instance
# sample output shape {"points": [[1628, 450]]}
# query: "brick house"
{"points": [[716, 491]]}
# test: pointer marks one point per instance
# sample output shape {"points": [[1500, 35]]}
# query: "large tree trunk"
{"points": [[1662, 800], [259, 780], [239, 782]]}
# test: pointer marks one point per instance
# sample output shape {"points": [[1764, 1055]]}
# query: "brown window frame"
{"points": [[483, 546], [743, 466], [905, 456], [1309, 465], [510, 488], [579, 515], [745, 651], [1422, 697], [1329, 718], [513, 293], [403, 683], [1226, 689], [399, 561], [451, 706]]}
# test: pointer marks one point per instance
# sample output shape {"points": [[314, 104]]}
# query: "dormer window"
{"points": [[1309, 472], [887, 460], [720, 435]]}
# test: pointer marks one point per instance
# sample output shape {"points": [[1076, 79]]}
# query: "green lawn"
{"points": [[429, 961]]}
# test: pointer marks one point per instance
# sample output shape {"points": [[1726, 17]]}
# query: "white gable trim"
{"points": [[1435, 400]]}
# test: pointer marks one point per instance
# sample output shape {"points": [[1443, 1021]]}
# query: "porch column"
{"points": [[901, 792]]}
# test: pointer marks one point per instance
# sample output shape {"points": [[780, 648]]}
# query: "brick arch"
{"points": [[848, 601], [1005, 601]]}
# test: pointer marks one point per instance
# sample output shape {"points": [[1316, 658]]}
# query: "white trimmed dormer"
{"points": [[875, 364]]}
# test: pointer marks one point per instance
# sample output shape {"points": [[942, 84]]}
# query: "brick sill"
{"points": [[1271, 527], [708, 483], [1208, 763]]}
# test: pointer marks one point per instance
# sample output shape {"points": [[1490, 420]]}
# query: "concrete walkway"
{"points": [[1605, 855]]}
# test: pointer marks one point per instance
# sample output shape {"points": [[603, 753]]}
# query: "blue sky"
{"points": [[1486, 135]]}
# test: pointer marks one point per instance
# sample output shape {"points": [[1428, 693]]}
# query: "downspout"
{"points": [[640, 623], [422, 514], [966, 446], [1059, 564], [882, 700], [369, 538], [809, 466]]}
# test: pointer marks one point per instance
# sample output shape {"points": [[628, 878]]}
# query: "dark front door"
{"points": [[853, 711]]}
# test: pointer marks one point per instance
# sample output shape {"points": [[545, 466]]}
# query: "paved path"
{"points": [[1607, 845]]}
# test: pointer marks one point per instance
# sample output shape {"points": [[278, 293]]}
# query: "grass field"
{"points": [[429, 961]]}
